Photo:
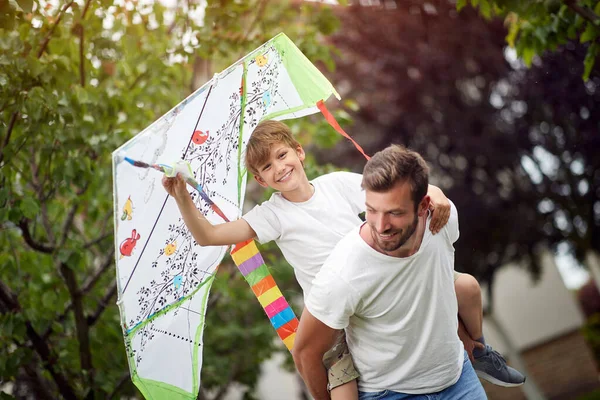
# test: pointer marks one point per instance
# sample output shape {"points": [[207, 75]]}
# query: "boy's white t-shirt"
{"points": [[306, 232], [399, 313]]}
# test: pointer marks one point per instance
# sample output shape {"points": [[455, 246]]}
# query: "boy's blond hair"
{"points": [[266, 134]]}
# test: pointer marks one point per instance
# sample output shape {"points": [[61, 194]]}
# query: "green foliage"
{"points": [[538, 26], [76, 82], [591, 333]]}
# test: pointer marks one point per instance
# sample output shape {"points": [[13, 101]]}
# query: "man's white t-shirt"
{"points": [[306, 232], [399, 313]]}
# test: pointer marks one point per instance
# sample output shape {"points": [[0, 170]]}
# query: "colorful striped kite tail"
{"points": [[251, 264]]}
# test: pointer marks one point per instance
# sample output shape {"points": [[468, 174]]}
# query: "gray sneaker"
{"points": [[492, 367]]}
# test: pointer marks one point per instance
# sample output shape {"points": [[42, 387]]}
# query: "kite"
{"points": [[163, 276]]}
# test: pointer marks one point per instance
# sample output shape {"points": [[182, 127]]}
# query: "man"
{"points": [[389, 283]]}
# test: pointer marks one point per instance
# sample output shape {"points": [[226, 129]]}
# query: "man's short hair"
{"points": [[393, 165], [266, 134]]}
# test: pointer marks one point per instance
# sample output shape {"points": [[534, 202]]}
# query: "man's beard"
{"points": [[393, 245]]}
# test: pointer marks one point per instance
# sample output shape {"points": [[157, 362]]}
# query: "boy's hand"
{"points": [[440, 210], [175, 186], [468, 342]]}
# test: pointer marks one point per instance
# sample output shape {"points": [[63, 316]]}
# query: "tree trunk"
{"points": [[530, 388]]}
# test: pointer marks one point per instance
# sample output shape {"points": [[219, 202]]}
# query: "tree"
{"points": [[537, 26], [426, 74], [557, 133], [440, 83], [77, 81]]}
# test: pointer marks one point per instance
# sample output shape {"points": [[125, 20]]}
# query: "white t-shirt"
{"points": [[306, 232], [399, 313]]}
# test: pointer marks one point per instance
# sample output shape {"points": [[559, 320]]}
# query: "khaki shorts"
{"points": [[456, 275], [339, 364]]}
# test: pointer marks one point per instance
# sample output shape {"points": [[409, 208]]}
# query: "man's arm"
{"points": [[313, 340], [205, 233]]}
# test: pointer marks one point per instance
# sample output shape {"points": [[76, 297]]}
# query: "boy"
{"points": [[307, 219]]}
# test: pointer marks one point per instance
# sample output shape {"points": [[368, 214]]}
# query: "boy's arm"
{"points": [[313, 339], [205, 233], [440, 209]]}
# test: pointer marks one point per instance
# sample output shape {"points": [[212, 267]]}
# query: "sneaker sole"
{"points": [[495, 381]]}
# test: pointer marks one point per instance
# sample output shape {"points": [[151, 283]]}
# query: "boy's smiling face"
{"points": [[284, 170]]}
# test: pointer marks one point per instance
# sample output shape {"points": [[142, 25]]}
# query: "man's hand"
{"points": [[468, 342], [440, 209], [313, 339], [175, 186]]}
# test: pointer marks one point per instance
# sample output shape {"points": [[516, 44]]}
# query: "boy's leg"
{"points": [[340, 371], [346, 391], [488, 363], [470, 307]]}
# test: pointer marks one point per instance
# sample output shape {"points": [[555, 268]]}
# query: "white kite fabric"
{"points": [[163, 276]]}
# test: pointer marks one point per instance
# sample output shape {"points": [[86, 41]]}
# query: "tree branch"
{"points": [[15, 115], [81, 57], [584, 12], [51, 32], [259, 13], [43, 248], [137, 80], [97, 240], [81, 45], [91, 282], [81, 326], [38, 385], [91, 320], [11, 125], [84, 290], [230, 378], [119, 385], [48, 358], [67, 224]]}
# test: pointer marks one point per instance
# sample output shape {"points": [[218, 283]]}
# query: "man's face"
{"points": [[283, 171], [392, 217]]}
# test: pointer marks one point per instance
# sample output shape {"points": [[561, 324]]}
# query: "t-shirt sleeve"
{"points": [[452, 225], [353, 191], [331, 299], [263, 220]]}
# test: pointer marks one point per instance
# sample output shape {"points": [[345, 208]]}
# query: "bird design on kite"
{"points": [[261, 60], [127, 210], [267, 99], [127, 246], [170, 249], [199, 137]]}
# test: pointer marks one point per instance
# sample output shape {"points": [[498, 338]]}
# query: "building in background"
{"points": [[542, 320]]}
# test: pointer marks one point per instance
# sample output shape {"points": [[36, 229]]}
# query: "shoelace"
{"points": [[497, 360]]}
